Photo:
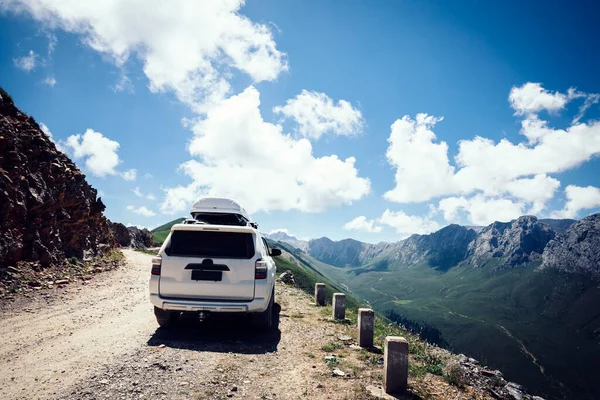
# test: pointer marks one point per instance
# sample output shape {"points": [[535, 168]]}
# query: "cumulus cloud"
{"points": [[129, 175], [181, 44], [422, 168], [98, 151], [533, 98], [508, 177], [144, 211], [240, 153], [28, 62], [578, 198], [362, 224], [406, 224], [150, 197], [317, 114], [480, 210]]}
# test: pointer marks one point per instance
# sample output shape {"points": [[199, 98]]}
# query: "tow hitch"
{"points": [[202, 315]]}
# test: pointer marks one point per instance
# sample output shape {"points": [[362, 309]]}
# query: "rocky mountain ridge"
{"points": [[48, 211], [577, 250], [281, 236], [563, 244]]}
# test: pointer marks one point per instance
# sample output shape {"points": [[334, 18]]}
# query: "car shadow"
{"points": [[222, 333]]}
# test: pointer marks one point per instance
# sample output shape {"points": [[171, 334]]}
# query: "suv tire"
{"points": [[165, 319], [264, 320]]}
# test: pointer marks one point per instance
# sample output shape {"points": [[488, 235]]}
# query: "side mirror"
{"points": [[275, 252]]}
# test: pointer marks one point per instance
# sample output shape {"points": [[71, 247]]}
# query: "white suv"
{"points": [[204, 268]]}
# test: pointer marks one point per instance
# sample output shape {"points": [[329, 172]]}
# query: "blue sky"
{"points": [[125, 70]]}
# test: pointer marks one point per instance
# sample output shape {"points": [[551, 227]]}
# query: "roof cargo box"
{"points": [[218, 211]]}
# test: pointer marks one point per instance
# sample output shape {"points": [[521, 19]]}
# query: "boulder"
{"points": [[287, 277]]}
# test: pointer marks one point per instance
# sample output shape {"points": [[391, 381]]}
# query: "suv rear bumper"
{"points": [[256, 305]]}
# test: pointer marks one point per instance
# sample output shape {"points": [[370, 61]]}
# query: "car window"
{"points": [[266, 246], [211, 244]]}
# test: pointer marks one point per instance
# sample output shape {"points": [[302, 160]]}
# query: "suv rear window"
{"points": [[211, 244]]}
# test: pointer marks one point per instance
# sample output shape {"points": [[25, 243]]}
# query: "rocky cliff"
{"points": [[510, 244], [442, 249], [343, 253], [130, 236], [48, 211], [577, 250]]}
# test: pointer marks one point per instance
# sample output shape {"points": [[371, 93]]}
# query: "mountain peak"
{"points": [[577, 250], [513, 243]]}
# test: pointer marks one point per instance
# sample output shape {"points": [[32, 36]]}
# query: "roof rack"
{"points": [[191, 221]]}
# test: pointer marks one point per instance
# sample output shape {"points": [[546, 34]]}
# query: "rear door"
{"points": [[215, 263]]}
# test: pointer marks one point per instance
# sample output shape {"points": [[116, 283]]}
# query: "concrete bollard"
{"points": [[339, 306], [320, 294], [395, 365], [366, 322]]}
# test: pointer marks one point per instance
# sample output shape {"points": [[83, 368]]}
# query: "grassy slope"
{"points": [[498, 317], [424, 358], [159, 234]]}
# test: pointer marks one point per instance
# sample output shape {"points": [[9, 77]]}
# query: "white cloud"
{"points": [[508, 176], [532, 98], [578, 198], [26, 63], [481, 210], [129, 175], [407, 225], [129, 224], [148, 176], [180, 43], [240, 152], [50, 81], [283, 230], [139, 193], [179, 198], [141, 211], [362, 224], [99, 152], [46, 130], [422, 168], [317, 114]]}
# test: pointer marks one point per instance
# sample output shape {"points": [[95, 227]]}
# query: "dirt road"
{"points": [[100, 340]]}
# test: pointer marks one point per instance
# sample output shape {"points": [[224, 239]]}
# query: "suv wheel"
{"points": [[264, 320], [165, 319]]}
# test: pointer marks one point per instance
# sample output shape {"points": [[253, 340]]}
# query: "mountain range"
{"points": [[522, 295]]}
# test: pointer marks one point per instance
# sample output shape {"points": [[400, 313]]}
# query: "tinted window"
{"points": [[211, 244]]}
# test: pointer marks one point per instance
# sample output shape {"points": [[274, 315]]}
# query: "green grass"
{"points": [[330, 347], [160, 233], [306, 278]]}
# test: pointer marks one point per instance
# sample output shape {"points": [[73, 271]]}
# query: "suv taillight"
{"points": [[260, 271], [156, 262]]}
